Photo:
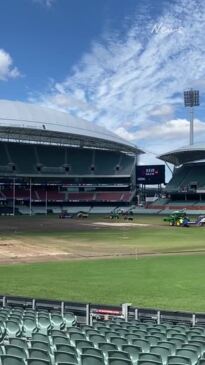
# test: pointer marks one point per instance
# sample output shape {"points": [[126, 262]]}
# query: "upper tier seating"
{"points": [[28, 159], [186, 176]]}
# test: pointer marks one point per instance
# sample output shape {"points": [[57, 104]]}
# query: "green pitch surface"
{"points": [[174, 282], [163, 281]]}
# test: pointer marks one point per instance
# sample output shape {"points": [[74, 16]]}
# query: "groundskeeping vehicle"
{"points": [[179, 218]]}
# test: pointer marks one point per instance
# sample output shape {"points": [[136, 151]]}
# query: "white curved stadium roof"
{"points": [[190, 153], [49, 123]]}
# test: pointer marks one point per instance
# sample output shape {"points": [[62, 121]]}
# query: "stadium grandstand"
{"points": [[51, 159], [186, 188]]}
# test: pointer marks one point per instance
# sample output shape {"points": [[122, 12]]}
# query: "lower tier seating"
{"points": [[50, 338]]}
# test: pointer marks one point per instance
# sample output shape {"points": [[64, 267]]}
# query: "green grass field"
{"points": [[167, 282]]}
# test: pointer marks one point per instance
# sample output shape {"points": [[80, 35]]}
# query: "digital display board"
{"points": [[150, 174]]}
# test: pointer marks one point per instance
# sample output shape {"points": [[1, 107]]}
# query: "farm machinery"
{"points": [[179, 218]]}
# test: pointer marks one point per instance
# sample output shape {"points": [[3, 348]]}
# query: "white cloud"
{"points": [[7, 70], [133, 85]]}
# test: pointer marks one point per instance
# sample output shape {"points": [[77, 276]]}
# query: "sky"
{"points": [[121, 64]]}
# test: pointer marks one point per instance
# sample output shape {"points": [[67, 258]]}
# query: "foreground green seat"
{"points": [[169, 345], [133, 351], [144, 344], [39, 354], [40, 337], [87, 359], [69, 319], [92, 351], [105, 347], [44, 325], [57, 322], [11, 360], [150, 356], [191, 354], [177, 359], [15, 351], [29, 327], [37, 362], [162, 351], [40, 345], [118, 361], [65, 357], [13, 329], [19, 342], [118, 341], [66, 348]]}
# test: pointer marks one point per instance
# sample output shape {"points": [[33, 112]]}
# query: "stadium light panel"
{"points": [[191, 98]]}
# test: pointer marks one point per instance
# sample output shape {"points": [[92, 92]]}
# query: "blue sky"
{"points": [[122, 64]]}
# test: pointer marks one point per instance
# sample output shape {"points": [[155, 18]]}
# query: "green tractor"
{"points": [[177, 218]]}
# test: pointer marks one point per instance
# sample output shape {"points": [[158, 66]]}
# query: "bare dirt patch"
{"points": [[121, 224]]}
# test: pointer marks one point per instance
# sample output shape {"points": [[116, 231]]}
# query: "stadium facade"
{"points": [[187, 185], [48, 156]]}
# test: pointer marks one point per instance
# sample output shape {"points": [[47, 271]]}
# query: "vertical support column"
{"points": [[88, 315], [33, 304], [158, 317], [191, 125], [125, 310], [193, 320], [62, 308], [136, 314], [4, 302]]}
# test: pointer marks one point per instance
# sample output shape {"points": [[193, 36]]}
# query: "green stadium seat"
{"points": [[35, 353], [66, 348], [92, 351], [131, 337], [11, 360], [132, 350], [105, 347], [44, 324], [169, 345], [57, 321], [38, 362], [164, 352], [144, 344], [57, 333], [83, 343], [118, 341], [87, 359], [191, 354], [15, 351], [19, 342], [65, 357], [177, 359], [150, 356], [13, 329], [118, 354], [96, 338], [69, 318], [153, 340], [195, 347], [76, 336], [148, 362], [29, 327], [45, 346], [118, 361], [40, 337], [60, 340]]}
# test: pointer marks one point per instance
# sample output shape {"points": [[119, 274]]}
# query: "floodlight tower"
{"points": [[191, 99]]}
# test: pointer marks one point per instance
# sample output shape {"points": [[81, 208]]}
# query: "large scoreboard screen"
{"points": [[150, 174]]}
